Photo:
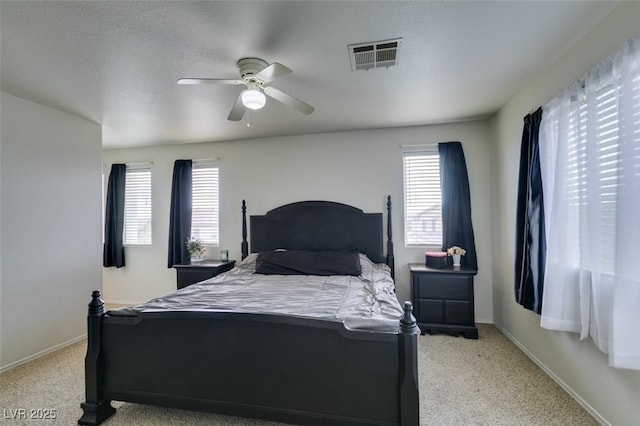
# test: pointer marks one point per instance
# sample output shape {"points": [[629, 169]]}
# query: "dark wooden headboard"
{"points": [[319, 225]]}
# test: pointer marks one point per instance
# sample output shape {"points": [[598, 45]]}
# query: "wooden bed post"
{"points": [[390, 258], [96, 408], [409, 394], [245, 245]]}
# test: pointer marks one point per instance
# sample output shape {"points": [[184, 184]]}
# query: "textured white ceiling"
{"points": [[117, 63]]}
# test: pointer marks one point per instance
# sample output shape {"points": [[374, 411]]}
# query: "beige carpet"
{"points": [[488, 381]]}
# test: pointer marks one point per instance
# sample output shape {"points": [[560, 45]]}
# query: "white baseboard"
{"points": [[42, 353], [555, 378]]}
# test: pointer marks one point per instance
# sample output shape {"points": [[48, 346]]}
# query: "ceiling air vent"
{"points": [[379, 54]]}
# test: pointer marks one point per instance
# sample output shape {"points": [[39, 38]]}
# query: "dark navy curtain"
{"points": [[180, 212], [531, 245], [457, 229], [113, 249]]}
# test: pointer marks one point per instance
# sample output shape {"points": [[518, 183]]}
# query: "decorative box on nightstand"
{"points": [[443, 299], [191, 273]]}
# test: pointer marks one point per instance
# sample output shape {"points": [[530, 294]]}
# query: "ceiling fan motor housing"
{"points": [[249, 67]]}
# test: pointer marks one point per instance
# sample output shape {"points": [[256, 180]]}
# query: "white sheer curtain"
{"points": [[590, 164]]}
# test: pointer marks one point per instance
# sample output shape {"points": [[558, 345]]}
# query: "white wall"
{"points": [[50, 226], [357, 168], [612, 395]]}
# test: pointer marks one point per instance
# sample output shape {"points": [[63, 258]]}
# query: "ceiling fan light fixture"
{"points": [[253, 98]]}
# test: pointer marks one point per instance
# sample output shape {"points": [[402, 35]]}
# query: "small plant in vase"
{"points": [[457, 253], [197, 251]]}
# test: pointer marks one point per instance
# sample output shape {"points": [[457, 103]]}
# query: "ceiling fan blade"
{"points": [[208, 81], [273, 71], [238, 110], [289, 100]]}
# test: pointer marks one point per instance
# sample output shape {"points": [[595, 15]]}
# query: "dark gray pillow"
{"points": [[303, 262]]}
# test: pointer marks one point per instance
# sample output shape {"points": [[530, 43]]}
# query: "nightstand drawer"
{"points": [[431, 310], [186, 277], [191, 273], [445, 311], [459, 312], [443, 287]]}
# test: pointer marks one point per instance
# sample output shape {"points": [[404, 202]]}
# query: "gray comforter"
{"points": [[367, 302]]}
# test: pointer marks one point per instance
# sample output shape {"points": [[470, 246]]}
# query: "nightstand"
{"points": [[443, 299], [190, 273]]}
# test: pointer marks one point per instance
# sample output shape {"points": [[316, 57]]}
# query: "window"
{"points": [[422, 198], [590, 169], [137, 206], [205, 212]]}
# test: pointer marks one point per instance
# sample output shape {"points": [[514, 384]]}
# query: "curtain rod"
{"points": [[145, 163], [419, 145], [582, 82], [206, 160]]}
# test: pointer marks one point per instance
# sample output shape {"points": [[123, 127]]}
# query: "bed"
{"points": [[288, 366]]}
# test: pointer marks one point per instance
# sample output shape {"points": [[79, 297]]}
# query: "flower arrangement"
{"points": [[196, 248], [456, 250]]}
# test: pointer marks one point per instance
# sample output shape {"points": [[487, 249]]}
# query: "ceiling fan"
{"points": [[255, 73]]}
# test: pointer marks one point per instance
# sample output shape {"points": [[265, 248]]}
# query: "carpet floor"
{"points": [[488, 381]]}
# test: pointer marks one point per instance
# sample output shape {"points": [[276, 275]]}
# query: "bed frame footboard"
{"points": [[288, 369], [96, 408]]}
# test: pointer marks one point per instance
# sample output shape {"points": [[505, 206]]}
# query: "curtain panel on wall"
{"points": [[113, 249], [590, 163], [531, 243], [180, 212], [457, 228]]}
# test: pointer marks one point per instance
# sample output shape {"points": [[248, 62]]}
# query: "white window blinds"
{"points": [[137, 206], [422, 198], [589, 153], [205, 198]]}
